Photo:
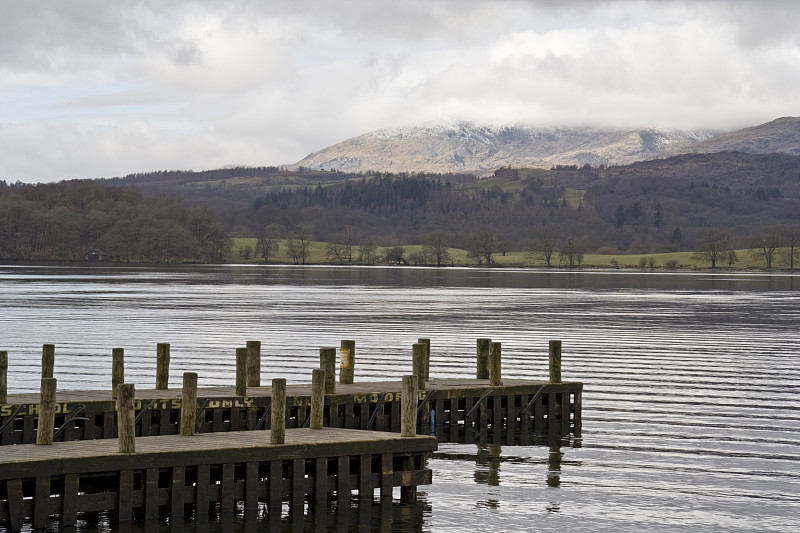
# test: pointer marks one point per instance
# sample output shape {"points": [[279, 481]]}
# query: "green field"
{"points": [[664, 261]]}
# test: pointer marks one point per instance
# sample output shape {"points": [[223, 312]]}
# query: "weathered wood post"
{"points": [[418, 355], [3, 376], [327, 362], [126, 417], [48, 360], [408, 428], [348, 362], [427, 343], [277, 431], [253, 363], [47, 411], [189, 404], [555, 361], [317, 398], [162, 366], [242, 370], [494, 365], [117, 370], [483, 358], [408, 407]]}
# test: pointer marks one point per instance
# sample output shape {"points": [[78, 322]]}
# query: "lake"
{"points": [[691, 418]]}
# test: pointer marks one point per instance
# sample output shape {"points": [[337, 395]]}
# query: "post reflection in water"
{"points": [[487, 472], [554, 466]]}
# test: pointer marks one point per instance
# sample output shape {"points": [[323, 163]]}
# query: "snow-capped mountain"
{"points": [[462, 146]]}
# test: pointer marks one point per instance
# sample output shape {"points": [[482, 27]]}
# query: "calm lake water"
{"points": [[691, 417]]}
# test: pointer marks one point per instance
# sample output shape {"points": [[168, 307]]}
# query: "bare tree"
{"points": [[711, 245], [368, 252], [436, 249], [767, 242], [349, 237], [482, 245], [791, 242], [571, 254], [336, 250], [297, 245], [395, 254], [543, 245], [267, 243]]}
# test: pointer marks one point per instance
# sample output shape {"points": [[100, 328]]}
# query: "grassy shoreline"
{"points": [[677, 261]]}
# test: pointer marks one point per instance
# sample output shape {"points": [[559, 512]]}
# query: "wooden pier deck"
{"points": [[527, 407], [180, 474]]}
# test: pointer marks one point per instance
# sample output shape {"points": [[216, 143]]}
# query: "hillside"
{"points": [[781, 136], [464, 147]]}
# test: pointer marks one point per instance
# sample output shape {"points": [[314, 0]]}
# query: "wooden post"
{"points": [[555, 361], [243, 370], [317, 398], [48, 360], [348, 362], [189, 404], [3, 376], [277, 432], [494, 365], [126, 417], [253, 363], [327, 362], [162, 366], [408, 403], [427, 343], [483, 358], [418, 355], [47, 411], [117, 370]]}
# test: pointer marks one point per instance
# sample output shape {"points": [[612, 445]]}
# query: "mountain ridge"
{"points": [[467, 147]]}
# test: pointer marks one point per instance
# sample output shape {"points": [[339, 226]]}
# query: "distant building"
{"points": [[96, 255]]}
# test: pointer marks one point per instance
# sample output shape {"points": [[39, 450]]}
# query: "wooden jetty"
{"points": [[448, 406], [188, 472], [452, 409], [178, 474]]}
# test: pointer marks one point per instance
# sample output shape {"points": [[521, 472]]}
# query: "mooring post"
{"points": [[494, 364], [483, 358], [3, 377], [126, 417], [427, 343], [277, 431], [117, 370], [418, 355], [555, 361], [162, 366], [408, 428], [189, 403], [47, 411], [348, 362], [253, 363], [317, 397], [408, 406], [48, 360], [242, 370], [327, 362]]}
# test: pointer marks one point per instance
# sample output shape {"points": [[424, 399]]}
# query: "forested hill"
{"points": [[64, 221], [644, 207]]}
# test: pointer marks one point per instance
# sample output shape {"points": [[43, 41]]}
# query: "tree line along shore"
{"points": [[725, 210]]}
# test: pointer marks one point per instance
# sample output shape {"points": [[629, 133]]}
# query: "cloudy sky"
{"points": [[91, 88]]}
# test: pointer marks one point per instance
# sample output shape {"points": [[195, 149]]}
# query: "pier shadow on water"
{"points": [[331, 516]]}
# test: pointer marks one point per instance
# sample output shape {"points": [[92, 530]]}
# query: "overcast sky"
{"points": [[92, 88]]}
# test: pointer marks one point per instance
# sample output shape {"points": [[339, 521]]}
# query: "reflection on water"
{"points": [[327, 516], [690, 419]]}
